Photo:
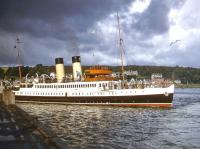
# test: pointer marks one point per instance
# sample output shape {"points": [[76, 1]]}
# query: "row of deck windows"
{"points": [[99, 93], [103, 85], [74, 93], [90, 93], [41, 94], [66, 86]]}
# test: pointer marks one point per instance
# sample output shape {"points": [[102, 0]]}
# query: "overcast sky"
{"points": [[155, 32]]}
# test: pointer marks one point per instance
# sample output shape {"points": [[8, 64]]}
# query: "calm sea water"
{"points": [[122, 127]]}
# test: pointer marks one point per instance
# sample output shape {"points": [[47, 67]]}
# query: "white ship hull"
{"points": [[97, 93]]}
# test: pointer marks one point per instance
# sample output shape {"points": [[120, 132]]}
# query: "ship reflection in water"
{"points": [[119, 127]]}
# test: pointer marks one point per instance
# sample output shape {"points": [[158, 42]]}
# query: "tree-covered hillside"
{"points": [[185, 74]]}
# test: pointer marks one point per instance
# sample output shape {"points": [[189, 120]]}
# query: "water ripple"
{"points": [[118, 127]]}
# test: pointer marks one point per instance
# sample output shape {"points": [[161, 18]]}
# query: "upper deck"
{"points": [[98, 73], [73, 86]]}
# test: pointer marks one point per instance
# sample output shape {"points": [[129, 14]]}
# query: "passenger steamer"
{"points": [[97, 88]]}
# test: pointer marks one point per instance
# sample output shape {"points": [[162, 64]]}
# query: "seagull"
{"points": [[174, 42]]}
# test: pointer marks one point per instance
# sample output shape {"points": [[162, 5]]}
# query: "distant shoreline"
{"points": [[187, 85]]}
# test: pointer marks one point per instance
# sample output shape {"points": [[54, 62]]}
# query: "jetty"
{"points": [[18, 129]]}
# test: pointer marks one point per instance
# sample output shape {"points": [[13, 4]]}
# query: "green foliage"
{"points": [[12, 72], [1, 73], [185, 74]]}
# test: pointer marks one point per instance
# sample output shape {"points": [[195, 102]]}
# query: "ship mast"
{"points": [[120, 47], [17, 46]]}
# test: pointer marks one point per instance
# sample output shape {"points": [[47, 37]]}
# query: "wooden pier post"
{"points": [[8, 97], [1, 90], [0, 97]]}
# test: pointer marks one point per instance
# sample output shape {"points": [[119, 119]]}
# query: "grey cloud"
{"points": [[177, 4], [7, 52], [62, 20], [154, 20], [187, 56], [6, 56], [31, 15], [54, 28]]}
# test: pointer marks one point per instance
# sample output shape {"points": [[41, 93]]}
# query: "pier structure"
{"points": [[7, 97], [1, 91], [18, 129]]}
